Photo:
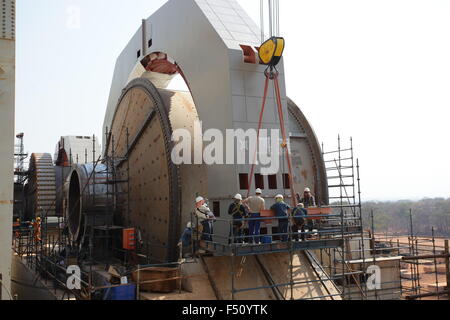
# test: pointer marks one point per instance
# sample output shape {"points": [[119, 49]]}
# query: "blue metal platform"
{"points": [[275, 247]]}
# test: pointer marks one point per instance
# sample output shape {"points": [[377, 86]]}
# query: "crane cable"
{"points": [[271, 18], [285, 144], [263, 107], [271, 50], [272, 74], [261, 7], [274, 18], [270, 53]]}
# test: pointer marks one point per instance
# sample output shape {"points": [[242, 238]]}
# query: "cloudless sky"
{"points": [[375, 70]]}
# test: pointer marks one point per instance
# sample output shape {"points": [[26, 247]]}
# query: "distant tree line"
{"points": [[394, 217]]}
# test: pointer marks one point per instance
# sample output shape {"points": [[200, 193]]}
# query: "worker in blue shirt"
{"points": [[280, 208], [185, 242], [299, 214]]}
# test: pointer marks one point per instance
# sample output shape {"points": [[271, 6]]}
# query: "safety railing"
{"points": [[278, 234]]}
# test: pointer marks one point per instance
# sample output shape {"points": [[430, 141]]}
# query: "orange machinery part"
{"points": [[129, 239], [317, 212]]}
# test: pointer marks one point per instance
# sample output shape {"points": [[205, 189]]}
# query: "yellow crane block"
{"points": [[271, 51]]}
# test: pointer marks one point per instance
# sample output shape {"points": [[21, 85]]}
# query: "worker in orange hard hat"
{"points": [[16, 223]]}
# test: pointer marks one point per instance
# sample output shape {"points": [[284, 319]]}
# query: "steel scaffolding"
{"points": [[334, 244], [425, 267]]}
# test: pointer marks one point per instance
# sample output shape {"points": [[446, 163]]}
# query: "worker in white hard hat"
{"points": [[238, 211], [186, 240], [280, 209], [307, 199], [199, 213], [200, 201], [205, 218], [255, 206]]}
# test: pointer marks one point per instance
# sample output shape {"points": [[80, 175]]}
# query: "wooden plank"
{"points": [[268, 214], [431, 256], [437, 287], [319, 211], [425, 295], [439, 269]]}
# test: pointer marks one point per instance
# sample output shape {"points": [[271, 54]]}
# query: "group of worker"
{"points": [[249, 210]]}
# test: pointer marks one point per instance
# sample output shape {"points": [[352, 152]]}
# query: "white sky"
{"points": [[375, 70]]}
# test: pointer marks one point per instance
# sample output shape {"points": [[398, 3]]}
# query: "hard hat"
{"points": [[301, 205], [199, 199], [279, 197], [189, 225], [258, 191], [307, 190], [238, 197]]}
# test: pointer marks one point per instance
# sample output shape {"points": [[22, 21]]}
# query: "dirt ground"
{"points": [[425, 280], [427, 277], [423, 242]]}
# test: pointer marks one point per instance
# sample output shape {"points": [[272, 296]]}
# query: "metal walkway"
{"points": [[240, 250]]}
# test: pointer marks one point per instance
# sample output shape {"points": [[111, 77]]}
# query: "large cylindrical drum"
{"points": [[89, 198]]}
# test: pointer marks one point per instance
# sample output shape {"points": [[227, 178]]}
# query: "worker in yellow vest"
{"points": [[37, 230]]}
